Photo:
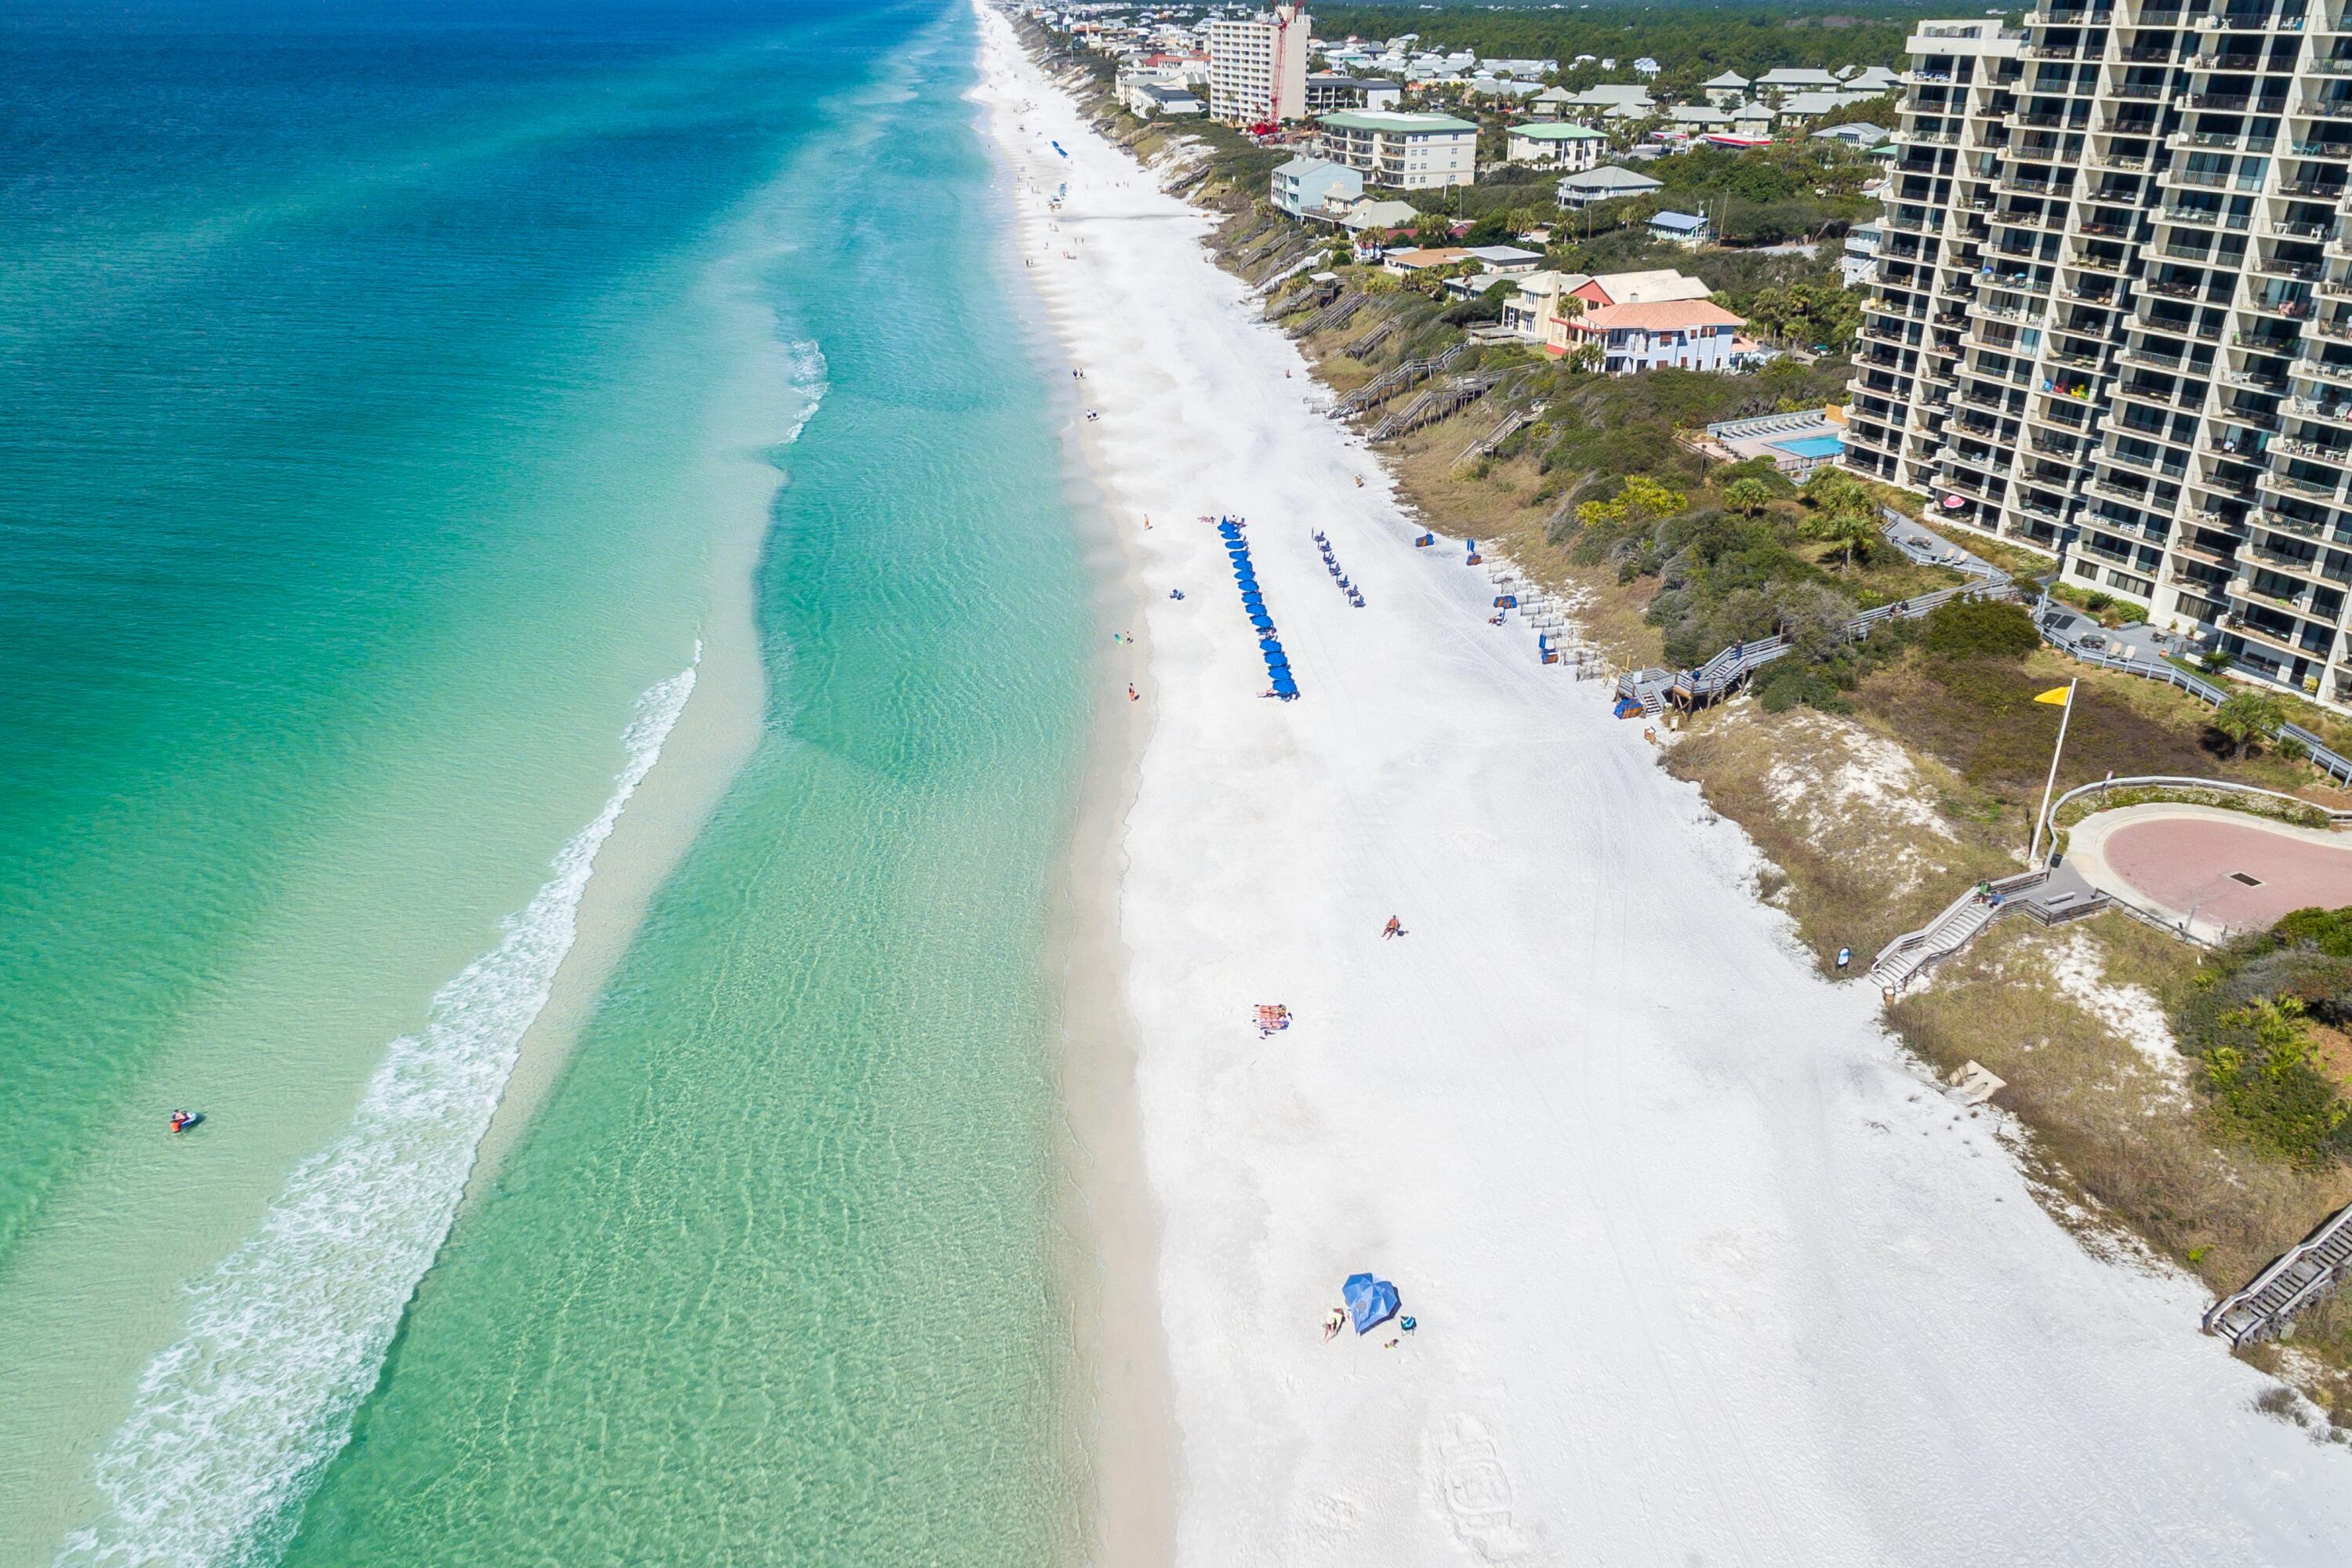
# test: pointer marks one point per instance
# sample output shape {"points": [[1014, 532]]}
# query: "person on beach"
{"points": [[1131, 696], [1394, 928], [1333, 1321]]}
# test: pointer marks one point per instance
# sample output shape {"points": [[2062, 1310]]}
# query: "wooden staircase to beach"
{"points": [[1337, 312], [1434, 405], [1391, 382], [2301, 1274], [1381, 333], [1510, 424]]}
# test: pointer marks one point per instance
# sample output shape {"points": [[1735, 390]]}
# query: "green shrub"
{"points": [[1791, 682], [2265, 1082], [1982, 628], [2329, 931]]}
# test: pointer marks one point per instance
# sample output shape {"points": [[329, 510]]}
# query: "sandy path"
{"points": [[1704, 1270]]}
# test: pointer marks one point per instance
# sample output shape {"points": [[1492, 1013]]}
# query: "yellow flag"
{"points": [[2056, 694]]}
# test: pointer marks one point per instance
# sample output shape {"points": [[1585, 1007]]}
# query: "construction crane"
{"points": [[1283, 17]]}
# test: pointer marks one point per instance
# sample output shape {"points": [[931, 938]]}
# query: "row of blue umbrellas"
{"points": [[1277, 663]]}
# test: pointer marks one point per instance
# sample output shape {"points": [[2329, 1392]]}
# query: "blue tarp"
{"points": [[1371, 1302]]}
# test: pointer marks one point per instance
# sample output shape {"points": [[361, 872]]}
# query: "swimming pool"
{"points": [[1811, 447]]}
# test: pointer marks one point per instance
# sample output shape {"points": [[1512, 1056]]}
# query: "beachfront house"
{"points": [[1410, 152], [1304, 185], [1429, 258], [1679, 334], [1679, 228], [1656, 287], [1161, 100], [1608, 182], [1364, 216], [1552, 144], [1532, 303]]}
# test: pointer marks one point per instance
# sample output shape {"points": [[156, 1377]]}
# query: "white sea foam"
{"points": [[231, 1425], [808, 376]]}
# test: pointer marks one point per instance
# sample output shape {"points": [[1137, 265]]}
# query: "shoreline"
{"points": [[1109, 1219], [1624, 1197]]}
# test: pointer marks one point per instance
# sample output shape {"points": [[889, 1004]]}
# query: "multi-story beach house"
{"points": [[1258, 67], [2112, 306], [1555, 144], [1409, 151], [1679, 334], [1305, 184]]}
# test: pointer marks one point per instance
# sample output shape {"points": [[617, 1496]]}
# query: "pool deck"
{"points": [[1774, 444]]}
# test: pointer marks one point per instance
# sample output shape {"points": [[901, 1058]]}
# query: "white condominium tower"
{"points": [[1258, 67], [2112, 296]]}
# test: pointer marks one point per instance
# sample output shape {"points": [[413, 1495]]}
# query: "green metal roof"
{"points": [[1393, 119], [1550, 131]]}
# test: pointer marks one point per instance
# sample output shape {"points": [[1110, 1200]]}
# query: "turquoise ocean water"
{"points": [[385, 407]]}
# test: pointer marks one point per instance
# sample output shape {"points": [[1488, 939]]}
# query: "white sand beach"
{"points": [[1704, 1269]]}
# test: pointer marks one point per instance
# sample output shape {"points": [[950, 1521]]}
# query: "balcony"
{"points": [[2300, 489]]}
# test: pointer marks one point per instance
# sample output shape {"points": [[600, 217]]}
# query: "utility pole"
{"points": [[2033, 849]]}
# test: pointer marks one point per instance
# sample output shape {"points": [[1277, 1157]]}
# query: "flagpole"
{"points": [[2033, 849]]}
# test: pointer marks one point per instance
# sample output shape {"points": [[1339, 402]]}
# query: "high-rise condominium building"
{"points": [[2112, 296], [1258, 67]]}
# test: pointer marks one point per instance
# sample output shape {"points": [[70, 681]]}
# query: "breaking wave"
{"points": [[232, 1425]]}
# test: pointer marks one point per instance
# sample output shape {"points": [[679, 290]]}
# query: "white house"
{"points": [[1410, 152], [1605, 184], [1303, 184], [1728, 90], [1859, 134], [1551, 102], [1860, 260], [1555, 146], [1148, 96], [1681, 334]]}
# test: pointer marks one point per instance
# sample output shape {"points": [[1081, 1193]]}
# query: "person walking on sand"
{"points": [[1394, 928], [1131, 696]]}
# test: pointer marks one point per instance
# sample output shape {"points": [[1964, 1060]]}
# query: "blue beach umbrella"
{"points": [[1371, 1302], [1260, 621]]}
